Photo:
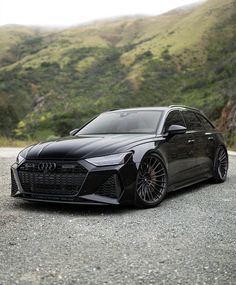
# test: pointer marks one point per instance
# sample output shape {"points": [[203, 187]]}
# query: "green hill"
{"points": [[52, 81]]}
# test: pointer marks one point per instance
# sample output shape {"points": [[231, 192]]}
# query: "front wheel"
{"points": [[220, 165], [151, 183]]}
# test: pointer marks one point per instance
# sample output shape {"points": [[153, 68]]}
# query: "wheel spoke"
{"points": [[140, 187], [222, 155], [158, 180], [157, 193], [144, 192], [148, 193], [156, 166], [155, 190], [160, 171], [157, 184]]}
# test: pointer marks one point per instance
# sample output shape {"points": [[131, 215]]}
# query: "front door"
{"points": [[180, 151]]}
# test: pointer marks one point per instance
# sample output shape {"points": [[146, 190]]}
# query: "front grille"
{"points": [[14, 187], [65, 179], [111, 188]]}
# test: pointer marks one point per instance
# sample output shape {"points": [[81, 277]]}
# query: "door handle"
{"points": [[191, 141], [210, 138]]}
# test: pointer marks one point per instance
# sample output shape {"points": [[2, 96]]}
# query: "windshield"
{"points": [[123, 122]]}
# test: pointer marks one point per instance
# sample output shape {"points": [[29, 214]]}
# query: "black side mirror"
{"points": [[73, 132], [176, 130]]}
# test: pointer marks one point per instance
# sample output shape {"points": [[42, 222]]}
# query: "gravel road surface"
{"points": [[189, 239]]}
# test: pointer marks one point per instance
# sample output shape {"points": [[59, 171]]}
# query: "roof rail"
{"points": [[184, 106]]}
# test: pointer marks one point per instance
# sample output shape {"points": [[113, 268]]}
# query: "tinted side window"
{"points": [[206, 124], [174, 118], [192, 121]]}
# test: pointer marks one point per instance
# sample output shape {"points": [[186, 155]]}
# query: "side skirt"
{"points": [[178, 186]]}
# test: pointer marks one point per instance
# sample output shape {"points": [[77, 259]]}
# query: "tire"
{"points": [[151, 184], [220, 165]]}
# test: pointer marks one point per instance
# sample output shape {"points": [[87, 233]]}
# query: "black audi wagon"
{"points": [[127, 156]]}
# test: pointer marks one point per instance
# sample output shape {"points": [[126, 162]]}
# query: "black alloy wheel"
{"points": [[220, 165], [151, 181]]}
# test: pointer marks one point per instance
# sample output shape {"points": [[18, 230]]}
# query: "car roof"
{"points": [[165, 108]]}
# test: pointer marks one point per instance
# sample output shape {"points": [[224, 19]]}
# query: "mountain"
{"points": [[53, 80]]}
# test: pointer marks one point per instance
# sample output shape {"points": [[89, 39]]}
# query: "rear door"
{"points": [[210, 138], [179, 151], [200, 143]]}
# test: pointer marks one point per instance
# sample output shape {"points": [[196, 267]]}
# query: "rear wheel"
{"points": [[220, 165], [151, 181]]}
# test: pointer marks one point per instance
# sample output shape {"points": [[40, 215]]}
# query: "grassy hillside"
{"points": [[52, 81]]}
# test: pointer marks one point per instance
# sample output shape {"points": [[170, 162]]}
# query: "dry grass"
{"points": [[8, 142]]}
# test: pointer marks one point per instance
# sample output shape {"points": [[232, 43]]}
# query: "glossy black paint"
{"points": [[81, 147], [188, 155]]}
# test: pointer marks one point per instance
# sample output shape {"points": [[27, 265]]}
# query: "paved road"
{"points": [[189, 239]]}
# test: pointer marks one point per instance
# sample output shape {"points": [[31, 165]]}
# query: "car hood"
{"points": [[81, 147]]}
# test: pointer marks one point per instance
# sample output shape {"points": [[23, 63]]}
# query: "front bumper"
{"points": [[97, 185]]}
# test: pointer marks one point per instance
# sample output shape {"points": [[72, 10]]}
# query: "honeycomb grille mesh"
{"points": [[66, 179], [111, 188], [14, 187]]}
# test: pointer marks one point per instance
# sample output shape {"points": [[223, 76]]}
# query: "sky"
{"points": [[73, 12]]}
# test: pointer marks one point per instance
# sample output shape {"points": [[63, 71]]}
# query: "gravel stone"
{"points": [[189, 239]]}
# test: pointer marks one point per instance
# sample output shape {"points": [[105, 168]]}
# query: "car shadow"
{"points": [[95, 210]]}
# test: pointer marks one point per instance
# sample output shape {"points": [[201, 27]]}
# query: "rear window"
{"points": [[192, 121], [206, 124]]}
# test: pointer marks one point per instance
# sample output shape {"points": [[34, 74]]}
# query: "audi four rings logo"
{"points": [[47, 166]]}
